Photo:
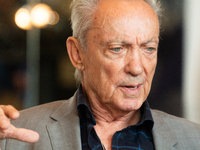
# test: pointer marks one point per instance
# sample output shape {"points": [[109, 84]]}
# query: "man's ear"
{"points": [[75, 52]]}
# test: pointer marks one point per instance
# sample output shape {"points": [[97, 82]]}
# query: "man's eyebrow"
{"points": [[113, 41], [154, 39], [122, 42]]}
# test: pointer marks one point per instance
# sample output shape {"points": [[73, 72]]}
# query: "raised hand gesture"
{"points": [[8, 131]]}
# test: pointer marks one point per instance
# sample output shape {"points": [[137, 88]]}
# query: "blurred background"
{"points": [[55, 73]]}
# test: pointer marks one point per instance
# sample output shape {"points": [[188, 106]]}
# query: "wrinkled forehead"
{"points": [[123, 19], [110, 11]]}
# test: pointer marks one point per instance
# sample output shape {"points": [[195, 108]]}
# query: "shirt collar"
{"points": [[83, 108], [146, 119]]}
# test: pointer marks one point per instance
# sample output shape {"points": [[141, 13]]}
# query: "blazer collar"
{"points": [[64, 131], [163, 136]]}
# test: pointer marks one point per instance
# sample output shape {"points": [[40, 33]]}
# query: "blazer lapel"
{"points": [[164, 138], [64, 131]]}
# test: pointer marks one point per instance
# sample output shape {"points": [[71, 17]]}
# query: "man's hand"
{"points": [[8, 131]]}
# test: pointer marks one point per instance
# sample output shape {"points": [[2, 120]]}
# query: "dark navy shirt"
{"points": [[135, 137]]}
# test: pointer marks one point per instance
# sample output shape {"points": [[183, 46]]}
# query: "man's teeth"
{"points": [[133, 87]]}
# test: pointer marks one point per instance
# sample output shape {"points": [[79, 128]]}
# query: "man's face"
{"points": [[121, 55]]}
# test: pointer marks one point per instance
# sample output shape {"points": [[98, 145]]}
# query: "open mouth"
{"points": [[132, 87]]}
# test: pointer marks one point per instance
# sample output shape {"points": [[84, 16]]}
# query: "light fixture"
{"points": [[39, 15], [22, 19]]}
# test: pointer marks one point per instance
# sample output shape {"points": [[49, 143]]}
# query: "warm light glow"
{"points": [[40, 15], [54, 18], [22, 19]]}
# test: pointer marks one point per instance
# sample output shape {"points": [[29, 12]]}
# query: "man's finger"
{"points": [[4, 123], [9, 111], [24, 135], [4, 120]]}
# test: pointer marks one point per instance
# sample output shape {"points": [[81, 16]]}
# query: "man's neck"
{"points": [[106, 129], [109, 121]]}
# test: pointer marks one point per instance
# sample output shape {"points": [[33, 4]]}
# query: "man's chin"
{"points": [[133, 104]]}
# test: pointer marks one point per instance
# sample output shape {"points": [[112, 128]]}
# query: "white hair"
{"points": [[82, 13]]}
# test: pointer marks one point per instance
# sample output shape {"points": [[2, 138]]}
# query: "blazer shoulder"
{"points": [[43, 113], [47, 108], [177, 124]]}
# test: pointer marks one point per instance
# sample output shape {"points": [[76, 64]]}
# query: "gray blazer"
{"points": [[58, 126]]}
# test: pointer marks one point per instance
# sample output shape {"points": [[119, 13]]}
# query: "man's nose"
{"points": [[134, 62]]}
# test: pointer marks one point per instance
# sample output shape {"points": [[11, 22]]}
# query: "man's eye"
{"points": [[150, 49], [116, 49]]}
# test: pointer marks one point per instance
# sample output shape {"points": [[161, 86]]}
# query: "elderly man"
{"points": [[114, 49]]}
